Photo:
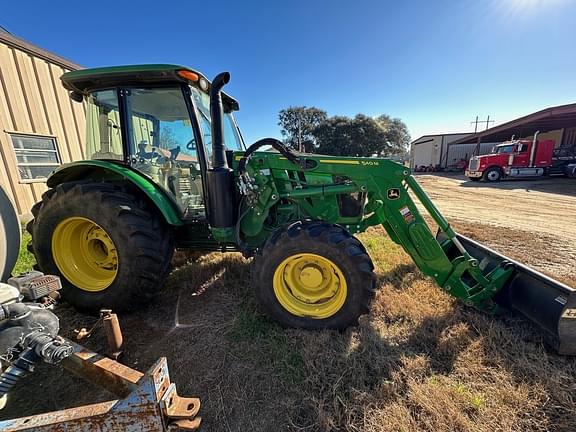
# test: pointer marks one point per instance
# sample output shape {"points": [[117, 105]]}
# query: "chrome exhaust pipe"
{"points": [[533, 150]]}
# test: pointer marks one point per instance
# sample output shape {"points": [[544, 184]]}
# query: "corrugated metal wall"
{"points": [[32, 101], [464, 151]]}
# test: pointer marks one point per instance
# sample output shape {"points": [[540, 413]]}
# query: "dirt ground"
{"points": [[419, 361], [542, 206], [532, 221]]}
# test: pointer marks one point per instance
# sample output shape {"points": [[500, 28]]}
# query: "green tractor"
{"points": [[167, 168]]}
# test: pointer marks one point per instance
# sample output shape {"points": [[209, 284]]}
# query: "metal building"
{"points": [[444, 151], [432, 150], [555, 123], [40, 126]]}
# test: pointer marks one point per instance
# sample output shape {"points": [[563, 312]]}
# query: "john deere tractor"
{"points": [[167, 168]]}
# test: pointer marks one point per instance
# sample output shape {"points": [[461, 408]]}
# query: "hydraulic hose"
{"points": [[285, 151]]}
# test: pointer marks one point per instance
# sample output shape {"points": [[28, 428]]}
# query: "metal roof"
{"points": [[417, 141], [558, 117], [27, 47]]}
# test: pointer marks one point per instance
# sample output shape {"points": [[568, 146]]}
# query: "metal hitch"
{"points": [[546, 302], [148, 402]]}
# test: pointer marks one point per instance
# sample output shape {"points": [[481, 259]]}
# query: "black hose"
{"points": [[285, 151], [21, 367]]}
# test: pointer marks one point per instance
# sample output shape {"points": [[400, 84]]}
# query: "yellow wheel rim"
{"points": [[85, 254], [309, 285]]}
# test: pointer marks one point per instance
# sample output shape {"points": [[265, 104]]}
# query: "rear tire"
{"points": [[338, 282], [493, 174], [107, 246]]}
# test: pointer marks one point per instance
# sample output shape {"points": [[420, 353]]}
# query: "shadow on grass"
{"points": [[253, 375], [399, 277]]}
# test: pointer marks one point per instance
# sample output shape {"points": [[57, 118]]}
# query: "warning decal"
{"points": [[406, 214]]}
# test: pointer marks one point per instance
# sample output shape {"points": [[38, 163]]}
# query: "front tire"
{"points": [[109, 249], [314, 275], [493, 174]]}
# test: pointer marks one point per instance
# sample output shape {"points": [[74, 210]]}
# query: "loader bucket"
{"points": [[546, 302]]}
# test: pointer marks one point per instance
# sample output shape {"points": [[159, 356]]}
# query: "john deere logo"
{"points": [[393, 193]]}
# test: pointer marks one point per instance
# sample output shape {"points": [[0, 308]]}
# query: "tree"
{"points": [[168, 138], [397, 134], [359, 136], [297, 125]]}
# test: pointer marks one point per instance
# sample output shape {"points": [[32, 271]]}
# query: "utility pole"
{"points": [[488, 121], [475, 123]]}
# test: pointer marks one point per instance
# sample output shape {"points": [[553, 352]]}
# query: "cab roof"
{"points": [[85, 81]]}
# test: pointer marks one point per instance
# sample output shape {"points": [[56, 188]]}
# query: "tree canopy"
{"points": [[310, 129], [297, 125]]}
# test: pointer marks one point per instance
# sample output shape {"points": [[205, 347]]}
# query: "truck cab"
{"points": [[518, 158]]}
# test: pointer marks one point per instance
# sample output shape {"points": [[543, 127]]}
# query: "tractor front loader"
{"points": [[168, 169]]}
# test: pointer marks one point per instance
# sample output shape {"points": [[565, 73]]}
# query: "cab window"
{"points": [[163, 146], [232, 138], [103, 137]]}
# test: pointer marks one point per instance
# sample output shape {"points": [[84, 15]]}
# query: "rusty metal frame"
{"points": [[148, 402]]}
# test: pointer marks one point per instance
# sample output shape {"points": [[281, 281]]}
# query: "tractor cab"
{"points": [[158, 124]]}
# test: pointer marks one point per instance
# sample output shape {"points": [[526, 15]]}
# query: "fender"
{"points": [[101, 169]]}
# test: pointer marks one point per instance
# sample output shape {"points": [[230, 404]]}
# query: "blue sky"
{"points": [[436, 64]]}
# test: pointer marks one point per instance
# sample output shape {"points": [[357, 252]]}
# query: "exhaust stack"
{"points": [[217, 124], [533, 149], [219, 177]]}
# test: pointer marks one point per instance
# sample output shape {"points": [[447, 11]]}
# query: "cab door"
{"points": [[520, 156], [163, 146]]}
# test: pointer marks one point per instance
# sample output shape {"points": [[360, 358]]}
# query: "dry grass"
{"points": [[420, 361]]}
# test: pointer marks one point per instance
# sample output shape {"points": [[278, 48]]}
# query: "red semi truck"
{"points": [[520, 158]]}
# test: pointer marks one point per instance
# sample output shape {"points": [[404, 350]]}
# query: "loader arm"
{"points": [[383, 191], [358, 193]]}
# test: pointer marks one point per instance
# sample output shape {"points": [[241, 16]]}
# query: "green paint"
{"points": [[356, 193], [224, 235], [111, 170]]}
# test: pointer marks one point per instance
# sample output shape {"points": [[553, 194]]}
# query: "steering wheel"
{"points": [[191, 145]]}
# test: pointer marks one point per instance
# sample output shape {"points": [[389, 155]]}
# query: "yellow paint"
{"points": [[339, 161], [85, 254], [309, 285]]}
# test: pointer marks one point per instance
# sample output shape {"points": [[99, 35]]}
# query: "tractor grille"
{"points": [[474, 164]]}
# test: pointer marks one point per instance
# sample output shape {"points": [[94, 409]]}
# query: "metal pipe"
{"points": [[533, 150], [320, 191], [216, 122]]}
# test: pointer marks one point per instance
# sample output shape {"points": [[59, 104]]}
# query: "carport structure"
{"points": [[557, 123]]}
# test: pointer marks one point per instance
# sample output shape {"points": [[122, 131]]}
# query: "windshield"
{"points": [[232, 139], [505, 149]]}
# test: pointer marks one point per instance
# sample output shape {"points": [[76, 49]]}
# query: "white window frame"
{"points": [[20, 165]]}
